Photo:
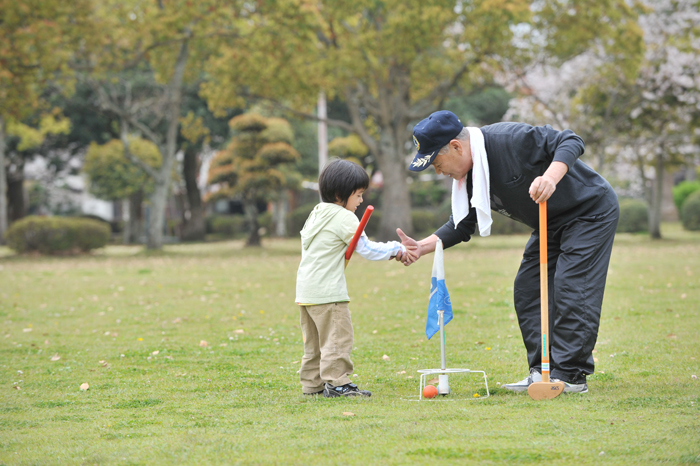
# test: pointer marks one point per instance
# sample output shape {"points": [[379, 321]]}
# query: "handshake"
{"points": [[413, 249]]}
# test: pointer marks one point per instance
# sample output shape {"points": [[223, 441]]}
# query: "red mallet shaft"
{"points": [[358, 233]]}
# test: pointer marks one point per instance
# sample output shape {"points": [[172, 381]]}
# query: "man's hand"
{"points": [[542, 189], [412, 249], [544, 186]]}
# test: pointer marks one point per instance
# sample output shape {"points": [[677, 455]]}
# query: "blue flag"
{"points": [[439, 297]]}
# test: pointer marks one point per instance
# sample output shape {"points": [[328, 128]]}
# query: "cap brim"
{"points": [[422, 161]]}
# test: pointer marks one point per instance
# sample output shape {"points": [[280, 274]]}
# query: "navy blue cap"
{"points": [[431, 135]]}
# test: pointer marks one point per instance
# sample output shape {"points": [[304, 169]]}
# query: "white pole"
{"points": [[443, 383], [322, 132]]}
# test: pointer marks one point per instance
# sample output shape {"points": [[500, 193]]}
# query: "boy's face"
{"points": [[354, 200]]}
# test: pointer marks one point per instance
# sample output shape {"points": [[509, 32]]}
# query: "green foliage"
{"points": [[484, 107], [690, 213], [426, 221], [112, 176], [52, 123], [634, 216], [298, 216], [503, 225], [259, 160], [55, 235], [427, 193], [349, 147], [681, 192]]}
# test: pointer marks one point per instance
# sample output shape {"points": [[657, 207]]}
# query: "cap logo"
{"points": [[421, 161], [415, 141]]}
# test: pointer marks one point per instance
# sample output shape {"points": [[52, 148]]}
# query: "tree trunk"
{"points": [[251, 215], [15, 195], [280, 214], [3, 184], [655, 213], [133, 216], [396, 202], [193, 213], [162, 180], [126, 218]]}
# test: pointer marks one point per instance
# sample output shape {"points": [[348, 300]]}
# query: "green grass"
{"points": [[238, 399]]}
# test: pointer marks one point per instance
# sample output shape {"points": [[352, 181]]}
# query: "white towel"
{"points": [[481, 199]]}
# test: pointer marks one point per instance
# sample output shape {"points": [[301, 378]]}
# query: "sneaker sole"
{"points": [[329, 394], [515, 388]]}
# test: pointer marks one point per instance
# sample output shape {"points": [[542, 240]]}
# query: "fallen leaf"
{"points": [[177, 321], [155, 352], [595, 359], [85, 386], [672, 336], [55, 357], [25, 330], [386, 358], [348, 413], [402, 372], [374, 331], [16, 387], [433, 381], [479, 342], [240, 330], [203, 343], [101, 362]]}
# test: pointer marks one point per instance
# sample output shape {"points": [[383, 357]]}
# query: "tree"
{"points": [[164, 44], [25, 139], [393, 62], [644, 116], [37, 40], [257, 165], [112, 176]]}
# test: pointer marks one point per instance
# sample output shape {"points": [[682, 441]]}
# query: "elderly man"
{"points": [[510, 168]]}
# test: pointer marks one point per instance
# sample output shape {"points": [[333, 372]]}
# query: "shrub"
{"points": [[503, 225], [226, 225], [634, 216], [297, 218], [690, 214], [681, 192], [54, 235]]}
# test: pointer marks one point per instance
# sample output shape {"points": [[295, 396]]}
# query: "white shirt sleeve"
{"points": [[373, 251]]}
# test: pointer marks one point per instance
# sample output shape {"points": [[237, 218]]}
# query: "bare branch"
{"points": [[124, 136]]}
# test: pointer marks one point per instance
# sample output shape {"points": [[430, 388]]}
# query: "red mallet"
{"points": [[430, 391], [358, 233]]}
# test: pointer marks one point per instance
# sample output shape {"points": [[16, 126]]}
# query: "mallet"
{"points": [[544, 390], [358, 233]]}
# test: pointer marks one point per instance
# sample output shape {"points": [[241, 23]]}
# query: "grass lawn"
{"points": [[191, 358]]}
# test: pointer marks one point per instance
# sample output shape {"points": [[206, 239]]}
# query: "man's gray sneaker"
{"points": [[521, 386], [573, 387]]}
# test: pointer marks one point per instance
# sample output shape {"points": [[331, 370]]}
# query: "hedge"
{"points": [[634, 216], [56, 235], [682, 191], [690, 214]]}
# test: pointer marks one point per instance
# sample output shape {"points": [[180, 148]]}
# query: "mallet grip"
{"points": [[358, 233]]}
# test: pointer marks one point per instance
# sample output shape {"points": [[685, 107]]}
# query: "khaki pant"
{"points": [[328, 340]]}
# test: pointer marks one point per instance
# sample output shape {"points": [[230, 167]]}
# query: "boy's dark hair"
{"points": [[339, 179]]}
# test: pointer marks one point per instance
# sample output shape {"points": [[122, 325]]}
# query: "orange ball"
{"points": [[430, 391]]}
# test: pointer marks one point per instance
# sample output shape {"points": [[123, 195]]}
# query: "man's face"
{"points": [[455, 163]]}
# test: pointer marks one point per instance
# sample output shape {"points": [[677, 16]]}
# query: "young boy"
{"points": [[321, 293]]}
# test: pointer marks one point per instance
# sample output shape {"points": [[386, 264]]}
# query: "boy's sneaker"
{"points": [[521, 386], [349, 389], [314, 393], [573, 387]]}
